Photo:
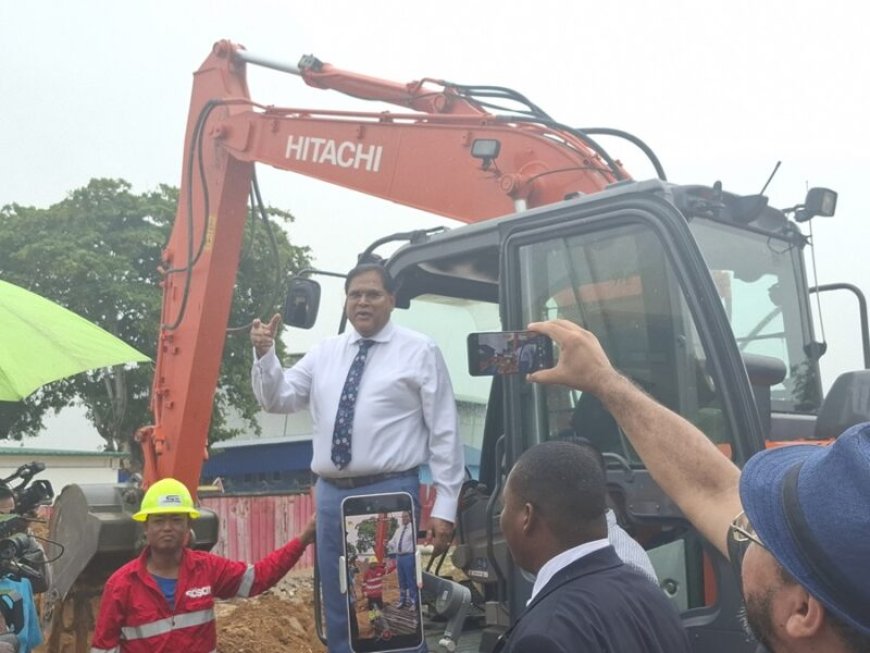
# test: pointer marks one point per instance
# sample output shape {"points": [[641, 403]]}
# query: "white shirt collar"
{"points": [[383, 335], [555, 564]]}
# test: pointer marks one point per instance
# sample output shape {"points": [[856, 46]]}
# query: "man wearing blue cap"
{"points": [[796, 521]]}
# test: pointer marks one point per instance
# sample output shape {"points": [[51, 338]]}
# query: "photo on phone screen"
{"points": [[508, 352], [383, 598]]}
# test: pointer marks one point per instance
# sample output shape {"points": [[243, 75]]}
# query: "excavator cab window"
{"points": [[447, 320], [619, 285], [759, 279]]}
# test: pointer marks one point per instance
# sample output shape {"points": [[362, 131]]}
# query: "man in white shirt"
{"points": [[382, 404], [627, 548], [584, 597], [403, 544]]}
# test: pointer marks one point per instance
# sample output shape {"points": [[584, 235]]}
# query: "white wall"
{"points": [[61, 470]]}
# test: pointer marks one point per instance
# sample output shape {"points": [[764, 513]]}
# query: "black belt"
{"points": [[351, 482]]}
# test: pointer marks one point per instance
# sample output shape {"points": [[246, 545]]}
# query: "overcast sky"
{"points": [[720, 90]]}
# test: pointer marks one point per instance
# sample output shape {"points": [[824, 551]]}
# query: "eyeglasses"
{"points": [[742, 532], [740, 535]]}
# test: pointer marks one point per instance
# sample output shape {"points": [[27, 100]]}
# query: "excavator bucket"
{"points": [[92, 533]]}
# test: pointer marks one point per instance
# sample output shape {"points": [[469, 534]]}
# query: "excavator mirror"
{"points": [[302, 303], [820, 201]]}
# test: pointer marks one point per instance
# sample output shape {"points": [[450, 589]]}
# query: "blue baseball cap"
{"points": [[810, 505]]}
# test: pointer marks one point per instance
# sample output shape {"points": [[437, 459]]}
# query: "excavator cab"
{"points": [[624, 264]]}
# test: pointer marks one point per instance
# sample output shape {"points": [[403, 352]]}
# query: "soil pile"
{"points": [[280, 620]]}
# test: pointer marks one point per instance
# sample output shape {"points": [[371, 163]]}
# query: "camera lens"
{"points": [[11, 547]]}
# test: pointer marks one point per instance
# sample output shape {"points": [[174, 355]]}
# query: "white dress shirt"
{"points": [[404, 540], [405, 414], [557, 563], [628, 549]]}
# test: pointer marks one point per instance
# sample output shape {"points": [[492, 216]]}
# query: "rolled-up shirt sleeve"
{"points": [[446, 454], [278, 390]]}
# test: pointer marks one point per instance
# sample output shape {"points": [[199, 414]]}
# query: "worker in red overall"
{"points": [[373, 589], [164, 599]]}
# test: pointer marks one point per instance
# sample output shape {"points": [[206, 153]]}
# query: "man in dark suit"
{"points": [[584, 598]]}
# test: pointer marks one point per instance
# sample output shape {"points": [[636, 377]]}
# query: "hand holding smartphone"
{"points": [[508, 352]]}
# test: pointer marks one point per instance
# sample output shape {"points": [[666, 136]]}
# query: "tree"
{"points": [[97, 252], [367, 533]]}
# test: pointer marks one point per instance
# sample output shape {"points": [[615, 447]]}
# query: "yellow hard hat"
{"points": [[166, 496]]}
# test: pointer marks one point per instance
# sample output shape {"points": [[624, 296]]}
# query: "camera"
{"points": [[20, 556], [14, 546], [29, 497], [14, 541]]}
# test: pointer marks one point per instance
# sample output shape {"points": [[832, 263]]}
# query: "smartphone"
{"points": [[508, 352], [382, 572]]}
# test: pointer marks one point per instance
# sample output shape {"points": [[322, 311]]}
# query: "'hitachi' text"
{"points": [[346, 154]]}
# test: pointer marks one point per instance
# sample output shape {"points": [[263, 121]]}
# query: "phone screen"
{"points": [[383, 595], [508, 352]]}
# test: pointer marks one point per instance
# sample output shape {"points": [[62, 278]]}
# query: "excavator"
{"points": [[698, 294]]}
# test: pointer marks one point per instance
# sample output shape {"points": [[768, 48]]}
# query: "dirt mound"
{"points": [[279, 621]]}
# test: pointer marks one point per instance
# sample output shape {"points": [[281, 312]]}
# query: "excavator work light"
{"points": [[820, 201], [485, 149]]}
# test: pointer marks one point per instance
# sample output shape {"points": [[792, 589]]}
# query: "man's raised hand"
{"points": [[582, 362], [263, 335]]}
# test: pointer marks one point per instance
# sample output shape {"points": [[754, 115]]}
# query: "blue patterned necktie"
{"points": [[341, 433]]}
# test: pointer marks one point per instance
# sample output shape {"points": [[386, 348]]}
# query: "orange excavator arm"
{"points": [[199, 266], [448, 157]]}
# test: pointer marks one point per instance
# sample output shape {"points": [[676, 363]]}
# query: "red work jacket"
{"points": [[135, 616], [373, 583]]}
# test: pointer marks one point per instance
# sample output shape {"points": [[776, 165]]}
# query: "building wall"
{"points": [[64, 469]]}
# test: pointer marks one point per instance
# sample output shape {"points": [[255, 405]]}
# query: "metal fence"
{"points": [[252, 526]]}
